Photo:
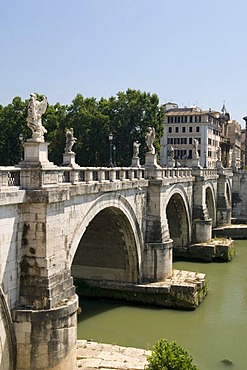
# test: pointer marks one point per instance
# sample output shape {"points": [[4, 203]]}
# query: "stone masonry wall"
{"points": [[239, 194], [10, 253]]}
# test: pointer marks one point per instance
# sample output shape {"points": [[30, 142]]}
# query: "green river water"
{"points": [[215, 331]]}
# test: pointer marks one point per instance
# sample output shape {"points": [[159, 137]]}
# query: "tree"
{"points": [[130, 114], [12, 123], [55, 120], [169, 356], [127, 116], [91, 128]]}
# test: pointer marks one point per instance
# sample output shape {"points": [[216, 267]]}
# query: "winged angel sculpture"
{"points": [[35, 110], [150, 136]]}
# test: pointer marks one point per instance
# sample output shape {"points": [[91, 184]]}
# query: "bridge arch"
{"points": [[178, 216], [107, 243], [229, 192], [210, 200]]}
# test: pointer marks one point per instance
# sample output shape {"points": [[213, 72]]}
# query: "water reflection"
{"points": [[215, 331]]}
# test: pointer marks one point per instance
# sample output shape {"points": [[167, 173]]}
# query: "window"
{"points": [[177, 140], [198, 118], [177, 153], [183, 154], [170, 119], [176, 129], [190, 129], [170, 130], [170, 140], [190, 154], [183, 129], [209, 141], [191, 119], [184, 140], [184, 119], [197, 128], [190, 140]]}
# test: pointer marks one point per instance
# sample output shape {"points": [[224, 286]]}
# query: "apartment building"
{"points": [[243, 143], [234, 134], [182, 126]]}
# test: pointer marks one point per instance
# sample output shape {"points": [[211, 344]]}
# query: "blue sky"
{"points": [[189, 52]]}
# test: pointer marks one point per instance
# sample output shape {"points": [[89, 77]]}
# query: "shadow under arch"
{"points": [[178, 218], [108, 242], [211, 204], [228, 193]]}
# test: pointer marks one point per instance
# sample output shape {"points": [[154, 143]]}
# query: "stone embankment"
{"points": [[93, 355], [231, 231], [216, 249], [184, 290]]}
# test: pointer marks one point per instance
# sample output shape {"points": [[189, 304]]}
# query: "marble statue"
{"points": [[218, 154], [136, 146], [195, 152], [170, 152], [35, 110], [150, 136], [70, 140]]}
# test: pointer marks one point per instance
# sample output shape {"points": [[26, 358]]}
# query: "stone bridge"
{"points": [[112, 224]]}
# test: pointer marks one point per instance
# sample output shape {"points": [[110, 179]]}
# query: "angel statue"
{"points": [[195, 150], [35, 110], [70, 140], [150, 136], [136, 145]]}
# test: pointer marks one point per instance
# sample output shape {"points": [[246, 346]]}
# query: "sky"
{"points": [[191, 52]]}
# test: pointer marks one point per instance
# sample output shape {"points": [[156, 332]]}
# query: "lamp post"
{"points": [[245, 159], [114, 155], [21, 143], [110, 141], [205, 159], [176, 156]]}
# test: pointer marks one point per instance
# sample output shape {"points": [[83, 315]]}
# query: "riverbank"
{"points": [[93, 355]]}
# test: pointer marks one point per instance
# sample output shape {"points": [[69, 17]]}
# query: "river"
{"points": [[215, 331]]}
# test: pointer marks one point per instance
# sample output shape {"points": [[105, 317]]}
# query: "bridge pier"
{"points": [[157, 261], [202, 223], [158, 247], [46, 338], [45, 320], [224, 207]]}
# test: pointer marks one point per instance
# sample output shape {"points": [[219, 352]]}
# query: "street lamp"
{"points": [[21, 143], [176, 156], [114, 155], [110, 141]]}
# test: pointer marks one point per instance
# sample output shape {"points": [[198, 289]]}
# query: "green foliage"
{"points": [[12, 123], [169, 356], [127, 116]]}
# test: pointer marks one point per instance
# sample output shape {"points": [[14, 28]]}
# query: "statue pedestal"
{"points": [[151, 160], [219, 164], [69, 160], [135, 162], [171, 163], [196, 162], [36, 155]]}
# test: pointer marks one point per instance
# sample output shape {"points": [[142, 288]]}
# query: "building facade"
{"points": [[185, 126], [234, 134]]}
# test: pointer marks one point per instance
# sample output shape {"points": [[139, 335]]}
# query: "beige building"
{"points": [[182, 126], [234, 135], [243, 160]]}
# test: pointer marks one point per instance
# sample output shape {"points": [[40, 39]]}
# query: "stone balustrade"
{"points": [[9, 176], [36, 177]]}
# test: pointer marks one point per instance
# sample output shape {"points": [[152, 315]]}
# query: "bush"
{"points": [[169, 356]]}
